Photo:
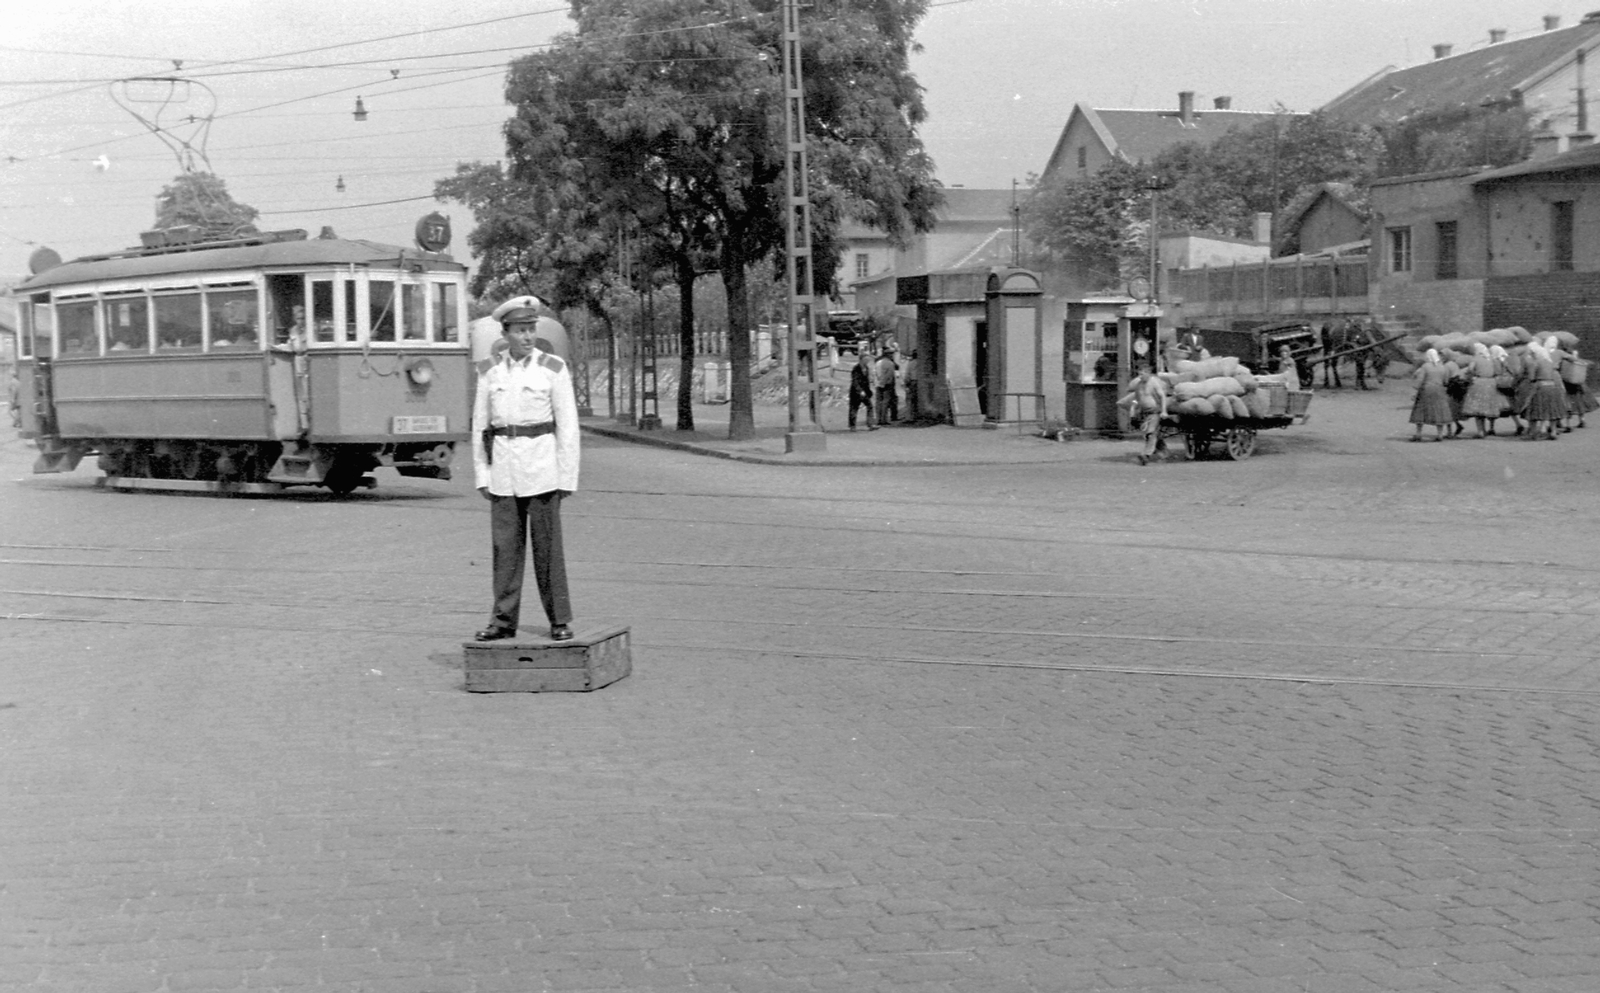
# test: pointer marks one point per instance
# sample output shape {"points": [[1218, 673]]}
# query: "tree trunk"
{"points": [[741, 411], [686, 342]]}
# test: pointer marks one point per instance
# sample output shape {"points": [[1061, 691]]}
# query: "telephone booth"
{"points": [[1107, 337]]}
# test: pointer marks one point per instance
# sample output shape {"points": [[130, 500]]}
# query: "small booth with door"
{"points": [[978, 344], [1106, 339]]}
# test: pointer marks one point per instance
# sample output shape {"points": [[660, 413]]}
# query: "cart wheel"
{"points": [[1196, 443], [1241, 443]]}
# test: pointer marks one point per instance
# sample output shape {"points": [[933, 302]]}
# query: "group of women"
{"points": [[1508, 372]]}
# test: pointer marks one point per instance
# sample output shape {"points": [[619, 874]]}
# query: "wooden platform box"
{"points": [[595, 657]]}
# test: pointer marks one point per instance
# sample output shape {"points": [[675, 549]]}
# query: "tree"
{"points": [[1102, 220], [202, 199], [662, 123], [1454, 137]]}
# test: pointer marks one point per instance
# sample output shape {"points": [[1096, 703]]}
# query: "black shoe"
{"points": [[494, 634], [560, 632]]}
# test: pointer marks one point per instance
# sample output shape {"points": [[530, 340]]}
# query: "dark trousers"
{"points": [[857, 401], [512, 521]]}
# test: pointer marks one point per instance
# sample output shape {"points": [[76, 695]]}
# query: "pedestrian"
{"points": [[1455, 388], [1146, 401], [1330, 363], [1431, 404], [888, 397], [1355, 336], [13, 399], [525, 458], [1289, 368], [861, 388], [908, 376], [1508, 367], [1574, 374], [1548, 403], [1483, 400]]}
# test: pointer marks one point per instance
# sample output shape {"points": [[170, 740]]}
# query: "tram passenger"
{"points": [[525, 457]]}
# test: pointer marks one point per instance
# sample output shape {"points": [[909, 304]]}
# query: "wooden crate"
{"points": [[595, 657]]}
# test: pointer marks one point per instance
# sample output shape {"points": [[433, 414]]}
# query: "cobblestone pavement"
{"points": [[1321, 721]]}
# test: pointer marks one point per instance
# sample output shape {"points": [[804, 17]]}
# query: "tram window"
{"points": [[177, 322], [286, 305], [350, 333], [128, 325], [322, 308], [78, 336], [233, 318], [413, 317], [444, 312], [36, 332], [380, 310]]}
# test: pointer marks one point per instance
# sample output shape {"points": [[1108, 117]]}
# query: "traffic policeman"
{"points": [[525, 459]]}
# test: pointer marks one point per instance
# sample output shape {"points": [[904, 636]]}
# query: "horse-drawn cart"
{"points": [[1236, 436]]}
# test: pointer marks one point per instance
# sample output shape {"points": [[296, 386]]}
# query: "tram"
{"points": [[250, 364]]}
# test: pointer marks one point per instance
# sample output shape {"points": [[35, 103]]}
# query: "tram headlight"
{"points": [[420, 372]]}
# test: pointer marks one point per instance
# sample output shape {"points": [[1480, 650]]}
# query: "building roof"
{"points": [[963, 204], [1141, 135], [1495, 72], [1586, 157]]}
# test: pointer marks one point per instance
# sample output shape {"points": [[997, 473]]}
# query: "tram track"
{"points": [[1198, 671]]}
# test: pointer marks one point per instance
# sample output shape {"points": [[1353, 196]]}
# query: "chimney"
{"points": [[1546, 143], [1186, 107], [1441, 51], [1497, 35], [1222, 103], [1263, 226], [1552, 21]]}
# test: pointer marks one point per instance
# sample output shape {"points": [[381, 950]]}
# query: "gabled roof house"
{"points": [[1093, 137]]}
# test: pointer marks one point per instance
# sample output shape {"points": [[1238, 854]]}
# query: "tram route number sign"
{"points": [[418, 424]]}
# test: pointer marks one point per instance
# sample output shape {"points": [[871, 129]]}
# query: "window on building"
{"points": [[1083, 156], [1446, 264], [1399, 249], [1561, 214], [863, 265]]}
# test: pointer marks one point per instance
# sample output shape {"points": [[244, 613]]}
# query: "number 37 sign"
{"points": [[433, 232]]}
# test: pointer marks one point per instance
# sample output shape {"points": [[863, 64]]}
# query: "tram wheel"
{"points": [[113, 462], [342, 478]]}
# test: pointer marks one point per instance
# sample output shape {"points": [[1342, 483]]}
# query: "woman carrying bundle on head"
{"points": [[1432, 403], [1547, 404], [1508, 370], [1483, 401]]}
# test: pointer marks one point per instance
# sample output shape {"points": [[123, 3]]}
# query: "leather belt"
{"points": [[513, 431], [524, 430]]}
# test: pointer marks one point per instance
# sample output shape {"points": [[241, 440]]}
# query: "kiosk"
{"points": [[1106, 337]]}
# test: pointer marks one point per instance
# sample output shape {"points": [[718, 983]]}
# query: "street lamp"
{"points": [[361, 110]]}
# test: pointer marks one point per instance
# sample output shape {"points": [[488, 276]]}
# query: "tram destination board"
{"points": [[419, 424]]}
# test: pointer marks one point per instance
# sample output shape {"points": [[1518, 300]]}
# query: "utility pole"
{"points": [[805, 434]]}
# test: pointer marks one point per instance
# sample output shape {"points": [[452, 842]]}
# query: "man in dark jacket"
{"points": [[861, 389]]}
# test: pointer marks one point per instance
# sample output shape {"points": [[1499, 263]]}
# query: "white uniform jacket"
{"points": [[534, 391]]}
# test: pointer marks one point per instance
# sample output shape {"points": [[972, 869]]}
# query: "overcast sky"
{"points": [[79, 173]]}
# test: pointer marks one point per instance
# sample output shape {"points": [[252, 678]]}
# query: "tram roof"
{"points": [[305, 253]]}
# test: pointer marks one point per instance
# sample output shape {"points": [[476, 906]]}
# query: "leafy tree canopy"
{"points": [[202, 199], [663, 122]]}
